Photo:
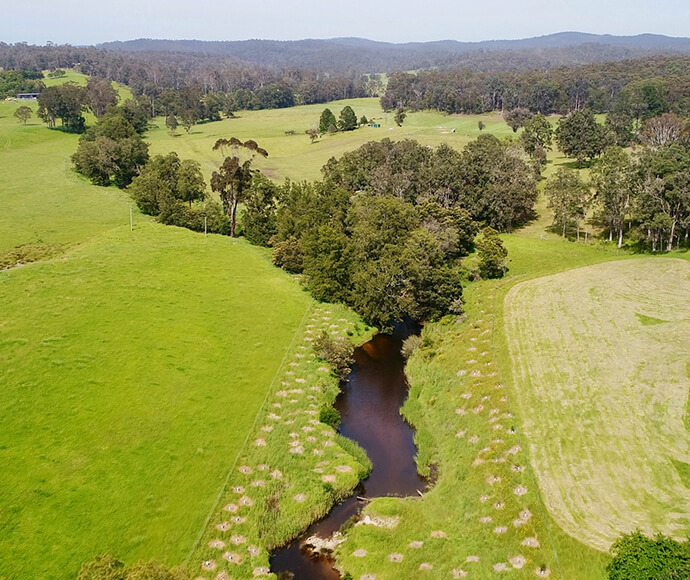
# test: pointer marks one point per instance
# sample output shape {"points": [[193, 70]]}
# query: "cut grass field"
{"points": [[601, 375]]}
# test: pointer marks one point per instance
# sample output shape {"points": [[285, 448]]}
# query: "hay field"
{"points": [[600, 363]]}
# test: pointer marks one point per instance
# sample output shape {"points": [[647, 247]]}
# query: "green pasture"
{"points": [[142, 369], [133, 369], [44, 200], [295, 156]]}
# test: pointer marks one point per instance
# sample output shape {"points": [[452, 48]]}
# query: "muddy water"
{"points": [[369, 407]]}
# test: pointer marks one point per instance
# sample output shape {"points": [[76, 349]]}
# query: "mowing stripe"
{"points": [[269, 391], [533, 480]]}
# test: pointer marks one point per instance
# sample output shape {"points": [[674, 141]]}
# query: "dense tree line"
{"points": [[20, 81], [640, 88], [489, 178], [236, 84], [385, 231], [356, 56]]}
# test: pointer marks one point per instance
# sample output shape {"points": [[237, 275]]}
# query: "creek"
{"points": [[369, 405]]}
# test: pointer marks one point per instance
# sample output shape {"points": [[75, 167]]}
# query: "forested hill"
{"points": [[361, 55]]}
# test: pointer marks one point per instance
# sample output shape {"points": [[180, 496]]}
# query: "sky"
{"points": [[77, 22]]}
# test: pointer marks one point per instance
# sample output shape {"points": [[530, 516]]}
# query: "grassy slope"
{"points": [[610, 421], [133, 370], [290, 457], [133, 366], [43, 200]]}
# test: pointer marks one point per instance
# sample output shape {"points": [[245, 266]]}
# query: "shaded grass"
{"points": [[133, 369]]}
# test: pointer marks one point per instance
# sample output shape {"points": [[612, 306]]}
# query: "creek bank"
{"points": [[369, 405]]}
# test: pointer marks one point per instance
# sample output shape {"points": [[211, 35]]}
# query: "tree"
{"points": [[538, 133], [579, 135], [619, 129], [516, 118], [612, 179], [65, 102], [165, 181], [100, 95], [662, 194], [567, 197], [234, 176], [259, 220], [313, 134], [111, 150], [172, 124], [636, 557], [363, 120], [400, 115], [658, 131], [492, 254], [23, 113], [190, 182], [481, 126], [348, 119], [189, 118], [327, 119]]}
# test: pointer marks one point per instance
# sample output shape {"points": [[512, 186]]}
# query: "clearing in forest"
{"points": [[600, 364]]}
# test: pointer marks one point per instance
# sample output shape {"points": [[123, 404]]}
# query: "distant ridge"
{"points": [[352, 54]]}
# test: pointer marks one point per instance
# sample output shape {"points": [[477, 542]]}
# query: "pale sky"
{"points": [[82, 22]]}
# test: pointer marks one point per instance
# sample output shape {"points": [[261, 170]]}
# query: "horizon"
{"points": [[384, 20], [363, 38]]}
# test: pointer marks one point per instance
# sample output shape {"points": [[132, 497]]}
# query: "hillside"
{"points": [[348, 54]]}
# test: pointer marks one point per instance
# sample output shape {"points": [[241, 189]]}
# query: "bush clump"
{"points": [[336, 351]]}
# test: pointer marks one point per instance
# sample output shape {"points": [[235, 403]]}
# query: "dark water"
{"points": [[369, 407]]}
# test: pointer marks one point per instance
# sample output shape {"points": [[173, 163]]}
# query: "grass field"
{"points": [[294, 156], [44, 201], [601, 371], [142, 369], [133, 369]]}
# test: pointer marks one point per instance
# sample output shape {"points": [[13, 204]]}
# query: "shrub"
{"points": [[330, 416], [411, 344], [637, 557], [289, 255], [336, 351]]}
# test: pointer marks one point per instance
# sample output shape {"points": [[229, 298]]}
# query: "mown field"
{"points": [[601, 373]]}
